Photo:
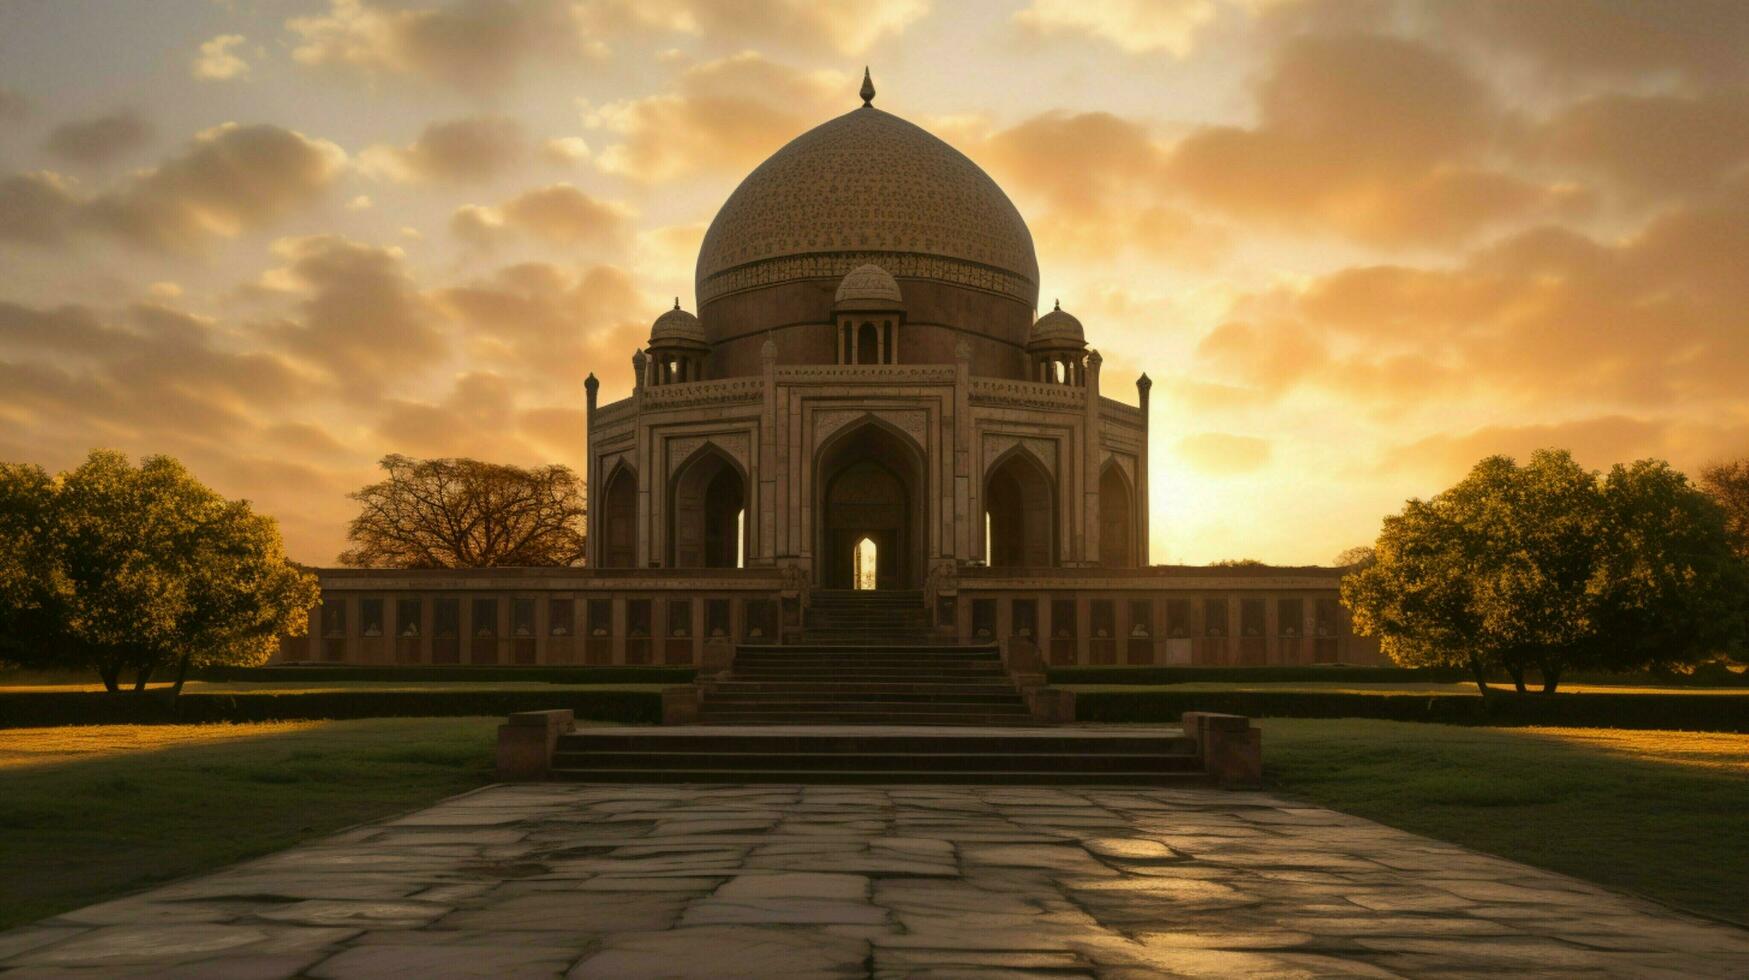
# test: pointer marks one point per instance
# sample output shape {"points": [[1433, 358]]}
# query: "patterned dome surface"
{"points": [[677, 324], [869, 182], [1057, 326], [869, 287]]}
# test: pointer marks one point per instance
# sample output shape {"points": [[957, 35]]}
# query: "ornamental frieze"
{"points": [[693, 394], [835, 265], [1027, 394], [885, 374]]}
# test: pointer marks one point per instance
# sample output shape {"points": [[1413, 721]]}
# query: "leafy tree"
{"points": [[30, 594], [1670, 582], [1236, 563], [1728, 484], [146, 568], [1355, 557], [464, 513], [1547, 566]]}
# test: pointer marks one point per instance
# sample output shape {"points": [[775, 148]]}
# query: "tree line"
{"points": [[1550, 567]]}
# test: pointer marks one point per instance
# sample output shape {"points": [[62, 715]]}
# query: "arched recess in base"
{"points": [[705, 511], [1117, 508], [1020, 502], [619, 519], [868, 483]]}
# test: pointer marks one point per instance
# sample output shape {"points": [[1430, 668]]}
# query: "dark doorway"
{"points": [[1022, 525], [705, 513], [619, 519], [1117, 546], [869, 488]]}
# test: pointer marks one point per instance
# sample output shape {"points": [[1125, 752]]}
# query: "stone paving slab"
{"points": [[901, 881]]}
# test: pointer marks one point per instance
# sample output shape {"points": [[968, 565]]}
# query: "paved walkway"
{"points": [[634, 881]]}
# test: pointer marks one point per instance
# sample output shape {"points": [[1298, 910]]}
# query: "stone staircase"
{"points": [[790, 754], [840, 684], [870, 617]]}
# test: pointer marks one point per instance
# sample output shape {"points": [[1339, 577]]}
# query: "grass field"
{"points": [[87, 813], [1407, 687], [325, 686], [1657, 813]]}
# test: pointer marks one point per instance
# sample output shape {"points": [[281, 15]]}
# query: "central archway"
{"points": [[869, 486]]}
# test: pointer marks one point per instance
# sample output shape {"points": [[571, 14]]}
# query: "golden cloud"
{"points": [[1136, 26], [458, 150], [723, 116], [471, 45], [559, 215], [218, 62], [360, 315], [1701, 39]]}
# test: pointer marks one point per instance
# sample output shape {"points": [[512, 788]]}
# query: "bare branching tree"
{"points": [[464, 513]]}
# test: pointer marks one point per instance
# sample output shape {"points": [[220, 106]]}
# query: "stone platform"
{"points": [[549, 880]]}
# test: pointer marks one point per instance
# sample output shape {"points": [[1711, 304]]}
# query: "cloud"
{"points": [[1544, 319], [798, 24], [1099, 181], [1135, 26], [230, 179], [553, 324], [1654, 146], [359, 314], [1222, 453], [36, 207], [566, 151], [469, 45], [459, 150], [95, 142], [723, 116], [1382, 139], [1700, 40], [559, 215], [217, 62]]}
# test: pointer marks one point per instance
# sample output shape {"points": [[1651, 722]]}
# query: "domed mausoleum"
{"points": [[866, 431], [867, 382]]}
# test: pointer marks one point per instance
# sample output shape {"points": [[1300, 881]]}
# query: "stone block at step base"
{"points": [[526, 742], [1051, 705], [1231, 748], [680, 705]]}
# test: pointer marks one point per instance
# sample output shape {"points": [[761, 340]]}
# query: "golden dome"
{"points": [[868, 187], [1057, 328], [676, 325]]}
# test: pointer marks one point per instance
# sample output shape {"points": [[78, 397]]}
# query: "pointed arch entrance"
{"points": [[1021, 509], [869, 486], [706, 512], [1117, 535], [619, 519]]}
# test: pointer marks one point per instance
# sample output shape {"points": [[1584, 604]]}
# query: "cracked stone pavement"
{"points": [[895, 881]]}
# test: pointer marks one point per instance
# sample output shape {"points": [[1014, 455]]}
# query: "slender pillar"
{"points": [[1143, 386]]}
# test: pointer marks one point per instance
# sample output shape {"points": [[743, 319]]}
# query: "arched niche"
{"points": [[705, 511], [619, 518], [869, 483], [1020, 504], [1117, 527]]}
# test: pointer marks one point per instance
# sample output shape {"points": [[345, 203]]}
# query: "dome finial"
{"points": [[1056, 304], [868, 89], [677, 302]]}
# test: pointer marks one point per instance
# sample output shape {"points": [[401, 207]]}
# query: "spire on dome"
{"points": [[868, 89], [677, 302]]}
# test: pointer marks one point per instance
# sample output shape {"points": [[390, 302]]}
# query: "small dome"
{"points": [[1057, 327], [677, 324], [868, 287]]}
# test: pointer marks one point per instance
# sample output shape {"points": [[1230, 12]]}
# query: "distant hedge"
{"points": [[545, 675], [1683, 712], [53, 708], [1254, 675], [1709, 675]]}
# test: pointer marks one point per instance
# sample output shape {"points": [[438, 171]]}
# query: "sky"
{"points": [[1356, 245]]}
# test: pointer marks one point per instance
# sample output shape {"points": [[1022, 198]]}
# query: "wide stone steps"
{"points": [[930, 754]]}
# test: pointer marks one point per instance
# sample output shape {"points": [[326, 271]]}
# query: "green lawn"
{"points": [[88, 813], [1402, 687], [1658, 813]]}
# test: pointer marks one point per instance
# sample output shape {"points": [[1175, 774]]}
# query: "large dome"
{"points": [[868, 187]]}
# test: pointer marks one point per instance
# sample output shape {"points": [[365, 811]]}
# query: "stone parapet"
{"points": [[526, 743], [1230, 746]]}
